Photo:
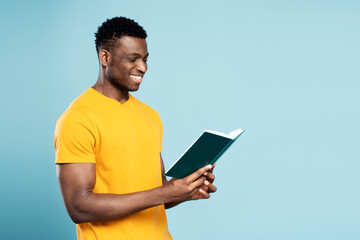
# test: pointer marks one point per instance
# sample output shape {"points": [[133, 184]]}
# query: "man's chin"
{"points": [[134, 89]]}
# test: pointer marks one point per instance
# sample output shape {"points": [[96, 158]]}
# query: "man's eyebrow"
{"points": [[136, 55]]}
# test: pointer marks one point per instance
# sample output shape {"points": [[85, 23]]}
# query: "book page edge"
{"points": [[184, 152]]}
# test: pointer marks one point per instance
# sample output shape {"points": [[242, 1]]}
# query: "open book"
{"points": [[206, 149]]}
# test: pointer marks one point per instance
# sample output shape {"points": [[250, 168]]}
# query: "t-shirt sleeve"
{"points": [[74, 139]]}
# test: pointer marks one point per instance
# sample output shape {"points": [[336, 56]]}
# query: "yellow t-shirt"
{"points": [[124, 142]]}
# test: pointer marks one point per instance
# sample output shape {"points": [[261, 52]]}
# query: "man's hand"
{"points": [[201, 191], [197, 185], [208, 187]]}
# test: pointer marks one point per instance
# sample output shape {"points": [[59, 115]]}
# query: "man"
{"points": [[108, 148]]}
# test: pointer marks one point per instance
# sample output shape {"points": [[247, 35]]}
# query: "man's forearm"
{"points": [[77, 182], [98, 207]]}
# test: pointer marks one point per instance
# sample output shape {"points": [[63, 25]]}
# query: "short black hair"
{"points": [[115, 28]]}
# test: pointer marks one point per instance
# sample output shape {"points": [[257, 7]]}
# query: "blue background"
{"points": [[285, 71]]}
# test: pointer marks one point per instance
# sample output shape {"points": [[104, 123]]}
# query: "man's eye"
{"points": [[131, 59]]}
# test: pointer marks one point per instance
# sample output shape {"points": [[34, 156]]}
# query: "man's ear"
{"points": [[104, 57]]}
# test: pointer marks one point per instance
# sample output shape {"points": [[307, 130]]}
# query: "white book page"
{"points": [[235, 133], [217, 133], [231, 135]]}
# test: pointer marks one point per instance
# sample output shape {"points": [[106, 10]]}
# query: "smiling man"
{"points": [[108, 148]]}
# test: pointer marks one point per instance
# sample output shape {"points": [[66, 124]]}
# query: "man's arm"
{"points": [[201, 193], [77, 181]]}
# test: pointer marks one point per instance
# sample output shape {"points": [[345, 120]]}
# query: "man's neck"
{"points": [[104, 87]]}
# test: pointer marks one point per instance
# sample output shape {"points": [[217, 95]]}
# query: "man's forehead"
{"points": [[133, 45]]}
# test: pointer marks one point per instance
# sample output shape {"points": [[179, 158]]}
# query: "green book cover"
{"points": [[206, 149]]}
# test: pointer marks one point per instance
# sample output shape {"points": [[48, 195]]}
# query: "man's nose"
{"points": [[142, 66]]}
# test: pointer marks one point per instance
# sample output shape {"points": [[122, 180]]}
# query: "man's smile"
{"points": [[136, 78]]}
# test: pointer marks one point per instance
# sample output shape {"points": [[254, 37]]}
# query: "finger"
{"points": [[196, 194], [192, 177], [209, 176], [198, 183], [211, 187], [212, 169], [204, 194]]}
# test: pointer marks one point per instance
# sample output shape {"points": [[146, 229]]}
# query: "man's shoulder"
{"points": [[81, 108], [83, 102]]}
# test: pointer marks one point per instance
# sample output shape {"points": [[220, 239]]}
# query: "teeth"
{"points": [[136, 77]]}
